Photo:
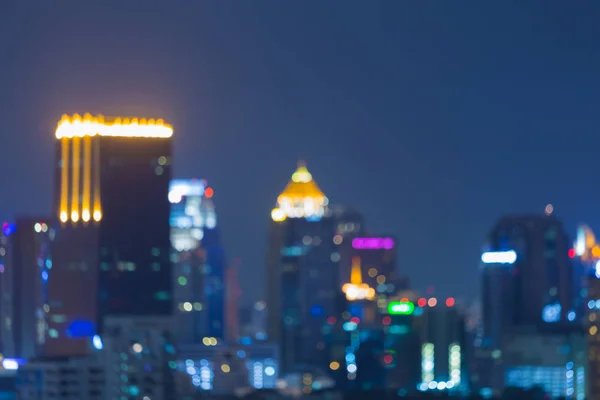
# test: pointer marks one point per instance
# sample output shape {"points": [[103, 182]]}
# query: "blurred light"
{"points": [[432, 302], [450, 301], [225, 368], [209, 192], [422, 302], [572, 253], [373, 243], [76, 126], [334, 365], [386, 320], [548, 209], [499, 257], [97, 342], [10, 364], [401, 307], [551, 313], [278, 215], [137, 348], [388, 359]]}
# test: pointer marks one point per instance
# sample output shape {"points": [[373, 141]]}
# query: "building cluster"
{"points": [[126, 293]]}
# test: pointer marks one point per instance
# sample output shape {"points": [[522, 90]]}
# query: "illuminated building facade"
{"points": [[592, 326], [554, 361], [303, 277], [111, 253], [378, 263], [443, 348], [198, 262], [224, 368], [527, 281], [25, 263]]}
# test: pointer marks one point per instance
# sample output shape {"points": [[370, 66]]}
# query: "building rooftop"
{"points": [[88, 125]]}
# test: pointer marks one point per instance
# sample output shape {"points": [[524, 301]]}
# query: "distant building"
{"points": [[222, 368], [555, 362], [198, 262], [25, 263], [443, 347], [111, 254], [303, 277], [527, 282]]}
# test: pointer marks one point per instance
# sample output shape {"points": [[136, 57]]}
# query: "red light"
{"points": [[422, 302], [356, 320], [388, 359], [209, 192], [450, 301], [571, 253], [386, 320], [331, 320]]}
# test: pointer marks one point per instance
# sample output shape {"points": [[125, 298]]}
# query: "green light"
{"points": [[182, 280], [401, 307]]}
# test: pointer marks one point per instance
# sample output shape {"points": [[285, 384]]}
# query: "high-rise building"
{"points": [[443, 348], [527, 282], [303, 277], [198, 262], [24, 265], [111, 253]]}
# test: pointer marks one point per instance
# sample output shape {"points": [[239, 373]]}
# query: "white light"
{"points": [[499, 257], [9, 363], [137, 348], [97, 342], [269, 371], [597, 269]]}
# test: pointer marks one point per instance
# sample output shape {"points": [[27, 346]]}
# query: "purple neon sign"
{"points": [[373, 243]]}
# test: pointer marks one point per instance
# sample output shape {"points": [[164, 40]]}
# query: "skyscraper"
{"points": [[198, 262], [25, 261], [303, 269], [527, 282], [111, 251]]}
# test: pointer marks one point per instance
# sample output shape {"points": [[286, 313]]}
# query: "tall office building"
{"points": [[303, 269], [111, 251], [25, 262], [443, 348], [527, 282], [198, 262]]}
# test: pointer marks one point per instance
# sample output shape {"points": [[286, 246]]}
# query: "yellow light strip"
{"points": [[75, 176], [77, 126], [97, 215], [64, 182], [87, 177]]}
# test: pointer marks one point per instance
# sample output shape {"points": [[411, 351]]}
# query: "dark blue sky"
{"points": [[433, 118]]}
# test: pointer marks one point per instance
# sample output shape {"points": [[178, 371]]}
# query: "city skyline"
{"points": [[433, 119]]}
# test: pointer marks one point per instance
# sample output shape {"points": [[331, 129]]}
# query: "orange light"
{"points": [[77, 126], [450, 301], [209, 192], [404, 299]]}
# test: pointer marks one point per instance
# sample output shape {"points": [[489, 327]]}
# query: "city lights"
{"points": [[499, 257], [401, 307], [302, 198], [356, 289], [88, 125], [373, 243]]}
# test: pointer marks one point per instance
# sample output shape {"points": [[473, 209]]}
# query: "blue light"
{"points": [[9, 229], [551, 313], [349, 326], [246, 340], [571, 316], [241, 354], [134, 390], [45, 276], [81, 328], [591, 304], [316, 310]]}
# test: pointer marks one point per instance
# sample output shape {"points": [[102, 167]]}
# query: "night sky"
{"points": [[432, 118]]}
